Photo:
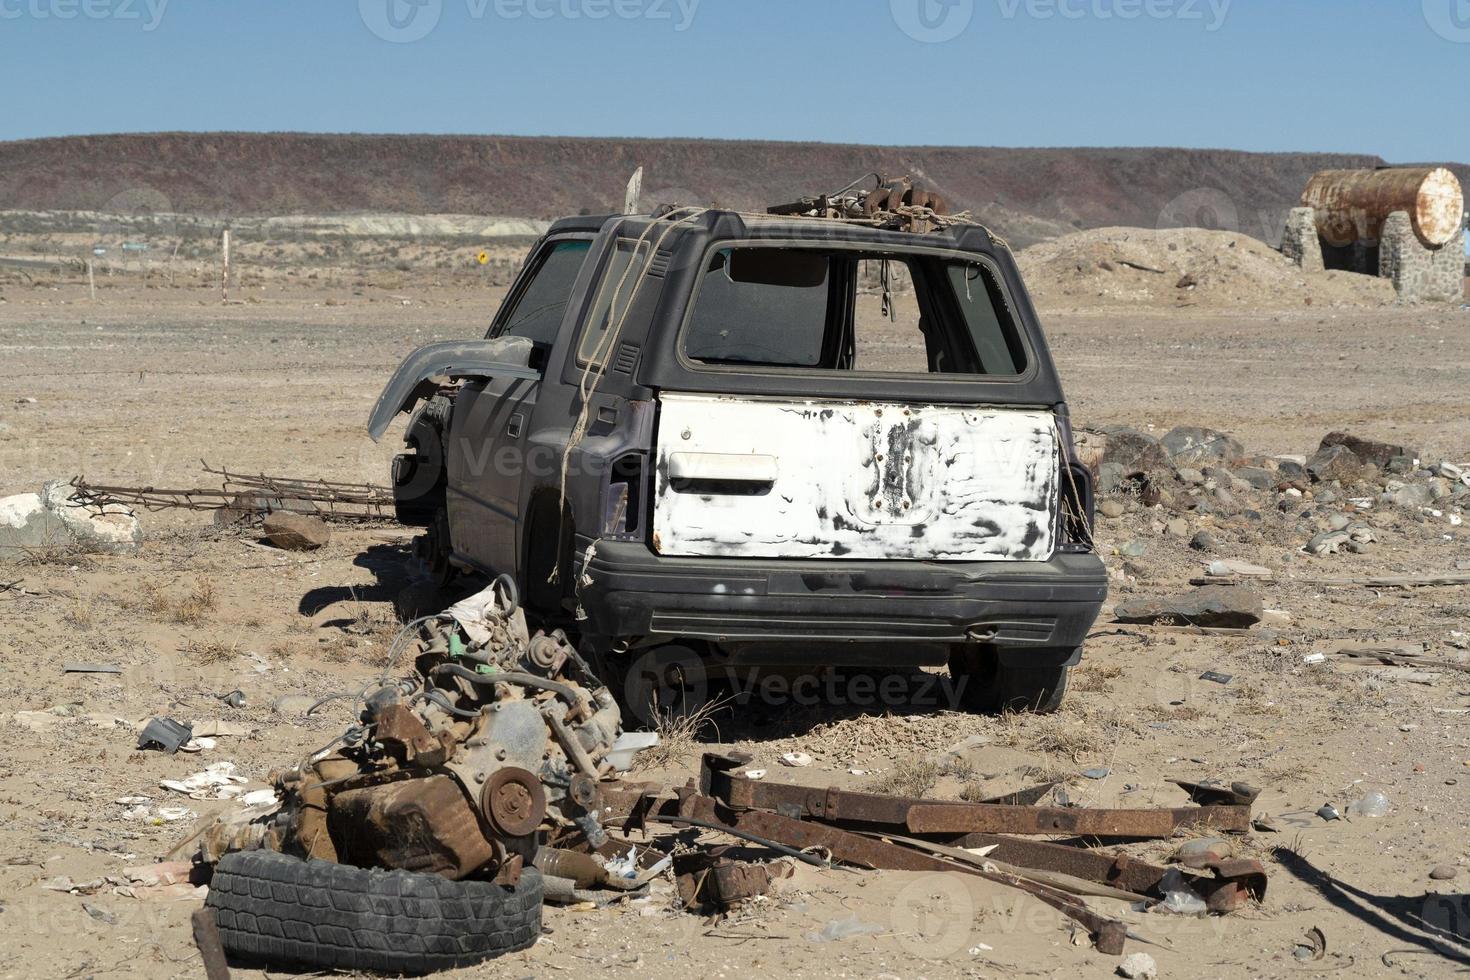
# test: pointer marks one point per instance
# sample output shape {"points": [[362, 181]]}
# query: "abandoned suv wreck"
{"points": [[708, 440]]}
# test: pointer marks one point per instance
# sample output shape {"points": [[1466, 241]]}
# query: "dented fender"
{"points": [[505, 357]]}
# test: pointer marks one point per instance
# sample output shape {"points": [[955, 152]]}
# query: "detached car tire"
{"points": [[281, 909], [994, 687]]}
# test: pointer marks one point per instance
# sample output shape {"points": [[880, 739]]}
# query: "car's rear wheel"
{"points": [[986, 683]]}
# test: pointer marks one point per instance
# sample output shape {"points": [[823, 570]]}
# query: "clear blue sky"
{"points": [[1242, 74]]}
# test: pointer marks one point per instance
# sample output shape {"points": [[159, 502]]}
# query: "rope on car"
{"points": [[596, 368]]}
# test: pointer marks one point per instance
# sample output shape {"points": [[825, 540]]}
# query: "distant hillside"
{"points": [[1025, 194]]}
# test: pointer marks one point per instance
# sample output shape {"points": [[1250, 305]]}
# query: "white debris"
{"points": [[797, 760], [1138, 966], [216, 782]]}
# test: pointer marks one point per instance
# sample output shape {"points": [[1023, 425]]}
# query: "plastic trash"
{"points": [[216, 782], [840, 929], [1374, 804], [1179, 897], [628, 745], [625, 866], [797, 760]]}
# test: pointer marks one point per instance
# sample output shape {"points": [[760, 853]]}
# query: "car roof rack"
{"points": [[893, 203]]}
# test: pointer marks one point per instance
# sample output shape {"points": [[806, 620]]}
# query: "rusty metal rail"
{"points": [[242, 496]]}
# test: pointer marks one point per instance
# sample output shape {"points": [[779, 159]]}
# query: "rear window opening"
{"points": [[849, 310]]}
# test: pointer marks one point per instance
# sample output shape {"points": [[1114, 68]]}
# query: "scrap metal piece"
{"points": [[514, 802], [166, 734], [1234, 884], [1214, 794], [404, 735], [1108, 934], [211, 948], [424, 825], [709, 882]]}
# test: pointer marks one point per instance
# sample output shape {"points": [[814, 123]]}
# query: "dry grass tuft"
{"points": [[680, 734], [61, 554], [1095, 678], [909, 778], [79, 616], [209, 653]]}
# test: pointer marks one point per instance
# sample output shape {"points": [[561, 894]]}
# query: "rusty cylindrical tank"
{"points": [[1352, 205]]}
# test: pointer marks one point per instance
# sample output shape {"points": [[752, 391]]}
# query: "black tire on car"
{"points": [[988, 685], [274, 908]]}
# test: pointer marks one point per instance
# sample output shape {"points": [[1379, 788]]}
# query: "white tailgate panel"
{"points": [[854, 480]]}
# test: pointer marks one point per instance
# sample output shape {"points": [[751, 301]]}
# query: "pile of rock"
{"points": [[1199, 471]]}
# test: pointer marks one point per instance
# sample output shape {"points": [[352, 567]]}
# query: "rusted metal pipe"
{"points": [[1352, 205]]}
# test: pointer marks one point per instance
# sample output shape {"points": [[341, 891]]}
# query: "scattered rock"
{"points": [[1134, 451], [1335, 463], [1138, 966], [1111, 508], [1204, 541], [1177, 528], [1291, 471], [1221, 606], [296, 532], [1192, 445], [1110, 477], [1258, 477], [1410, 496], [1443, 872], [1354, 538], [1380, 454]]}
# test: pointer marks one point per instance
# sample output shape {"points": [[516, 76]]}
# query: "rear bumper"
{"points": [[628, 592]]}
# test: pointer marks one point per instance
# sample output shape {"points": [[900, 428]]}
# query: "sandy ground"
{"points": [[140, 385]]}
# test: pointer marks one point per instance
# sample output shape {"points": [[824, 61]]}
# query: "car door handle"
{"points": [[742, 474], [514, 426]]}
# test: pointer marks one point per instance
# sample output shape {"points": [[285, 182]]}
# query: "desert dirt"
{"points": [[138, 386]]}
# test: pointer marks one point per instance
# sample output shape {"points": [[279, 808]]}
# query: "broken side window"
{"points": [[538, 311], [850, 310]]}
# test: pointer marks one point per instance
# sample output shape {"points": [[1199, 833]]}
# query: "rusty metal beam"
{"points": [[1108, 934], [920, 816], [1223, 893], [961, 818]]}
